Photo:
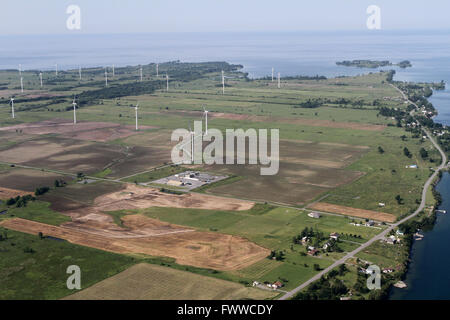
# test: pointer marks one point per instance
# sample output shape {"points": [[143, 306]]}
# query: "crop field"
{"points": [[360, 213], [306, 171], [151, 282], [28, 180]]}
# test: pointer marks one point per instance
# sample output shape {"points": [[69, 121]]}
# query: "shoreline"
{"points": [[437, 197]]}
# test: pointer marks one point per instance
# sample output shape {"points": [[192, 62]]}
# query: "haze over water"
{"points": [[294, 53]]}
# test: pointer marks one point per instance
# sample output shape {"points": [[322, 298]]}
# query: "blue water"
{"points": [[304, 53], [428, 276]]}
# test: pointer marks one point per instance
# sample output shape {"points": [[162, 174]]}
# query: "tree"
{"points": [[423, 153], [380, 150], [406, 152], [399, 199], [342, 269], [41, 235], [316, 267]]}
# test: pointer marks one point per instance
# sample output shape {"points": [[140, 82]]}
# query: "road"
{"points": [[383, 234]]}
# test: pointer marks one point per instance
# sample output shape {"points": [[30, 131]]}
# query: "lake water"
{"points": [[295, 53]]}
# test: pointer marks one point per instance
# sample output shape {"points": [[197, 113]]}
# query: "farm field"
{"points": [[35, 268], [199, 249], [151, 282]]}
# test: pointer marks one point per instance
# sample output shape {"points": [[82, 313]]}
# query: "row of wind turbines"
{"points": [[74, 104], [80, 78]]}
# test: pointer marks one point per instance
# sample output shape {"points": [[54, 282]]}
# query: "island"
{"points": [[373, 64]]}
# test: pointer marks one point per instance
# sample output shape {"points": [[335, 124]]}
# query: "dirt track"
{"points": [[349, 211]]}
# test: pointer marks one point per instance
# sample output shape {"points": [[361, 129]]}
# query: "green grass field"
{"points": [[41, 274]]}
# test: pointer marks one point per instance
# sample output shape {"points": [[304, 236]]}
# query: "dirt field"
{"points": [[6, 193], [151, 282], [360, 213], [201, 249], [64, 154], [306, 170], [89, 131], [28, 180], [135, 197], [299, 121]]}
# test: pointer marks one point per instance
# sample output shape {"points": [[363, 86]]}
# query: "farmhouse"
{"points": [[334, 235], [370, 223], [276, 285], [313, 214]]}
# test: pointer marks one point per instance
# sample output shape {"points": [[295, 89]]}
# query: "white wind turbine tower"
{"points": [[79, 72], [192, 143], [12, 108], [272, 74], [136, 112], [40, 78], [113, 72], [279, 84], [74, 111], [20, 70], [21, 84], [205, 113], [223, 83], [56, 69], [140, 73], [106, 77], [157, 70], [167, 80]]}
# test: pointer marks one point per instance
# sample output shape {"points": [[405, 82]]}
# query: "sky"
{"points": [[132, 16]]}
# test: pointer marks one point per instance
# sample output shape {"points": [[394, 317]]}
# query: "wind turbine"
{"points": [[79, 72], [106, 77], [140, 72], [21, 84], [12, 108], [205, 113], [223, 83], [40, 78], [20, 70], [272, 74], [157, 70], [74, 111], [136, 112], [192, 143], [167, 80], [56, 69], [113, 72], [279, 84]]}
